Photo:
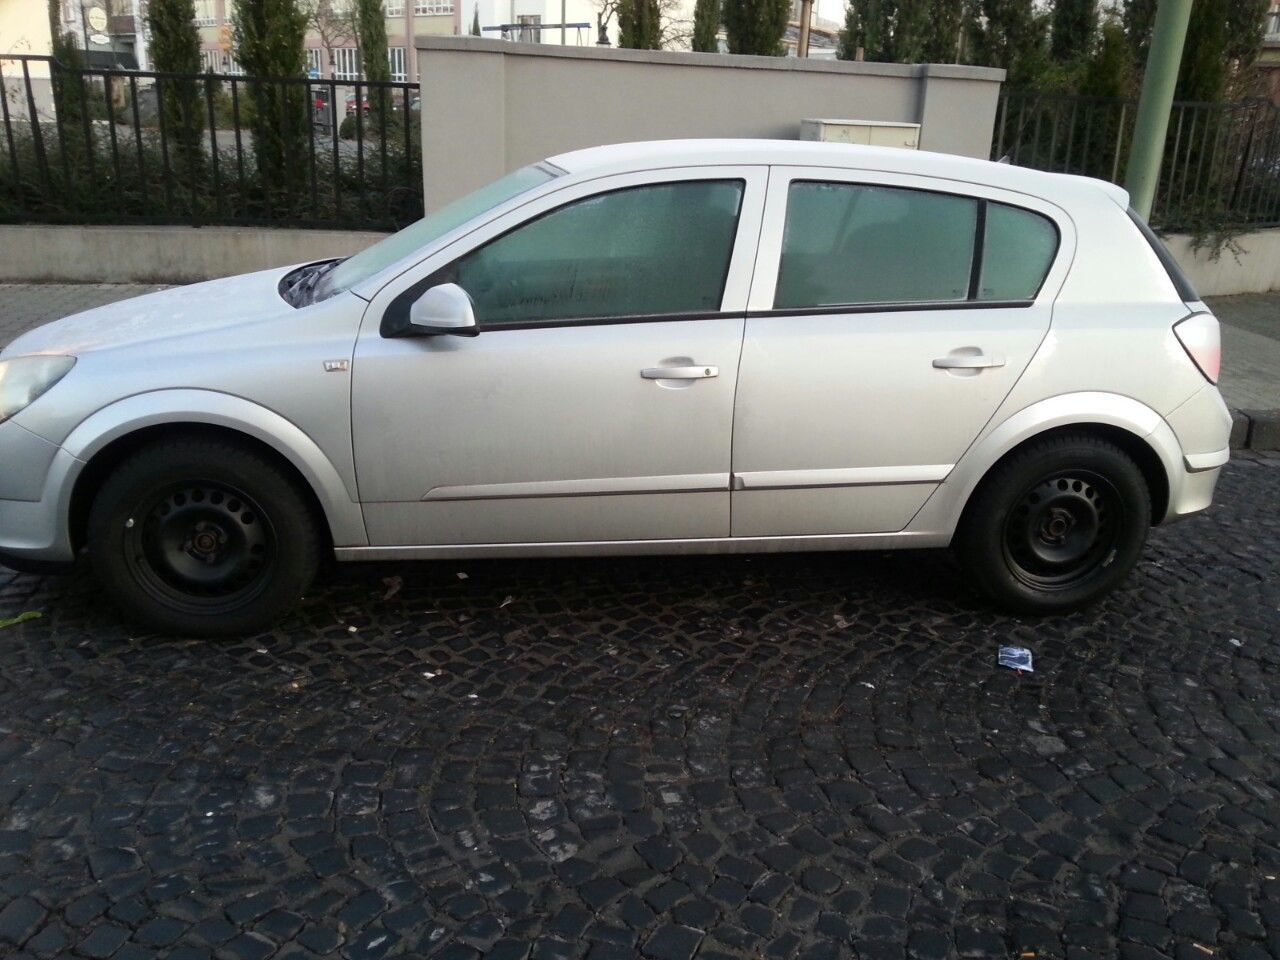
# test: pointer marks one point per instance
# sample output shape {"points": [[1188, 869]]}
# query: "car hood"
{"points": [[176, 312]]}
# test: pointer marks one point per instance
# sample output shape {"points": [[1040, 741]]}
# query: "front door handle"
{"points": [[692, 372], [962, 362]]}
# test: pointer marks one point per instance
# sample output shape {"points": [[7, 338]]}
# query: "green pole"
{"points": [[1155, 103]]}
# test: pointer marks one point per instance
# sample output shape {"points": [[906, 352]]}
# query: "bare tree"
{"points": [[676, 32], [334, 22]]}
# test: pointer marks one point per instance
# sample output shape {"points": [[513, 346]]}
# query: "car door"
{"points": [[596, 402], [889, 317]]}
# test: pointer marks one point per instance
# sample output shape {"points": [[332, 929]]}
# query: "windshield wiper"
{"points": [[302, 290], [313, 280]]}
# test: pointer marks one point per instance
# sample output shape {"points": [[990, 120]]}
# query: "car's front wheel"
{"points": [[203, 537], [1057, 525]]}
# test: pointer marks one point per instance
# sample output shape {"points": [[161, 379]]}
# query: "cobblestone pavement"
{"points": [[788, 756]]}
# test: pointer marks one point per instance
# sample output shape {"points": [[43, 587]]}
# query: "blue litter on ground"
{"points": [[1016, 658]]}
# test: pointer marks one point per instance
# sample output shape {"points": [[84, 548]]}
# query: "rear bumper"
{"points": [[1202, 427], [1192, 491]]}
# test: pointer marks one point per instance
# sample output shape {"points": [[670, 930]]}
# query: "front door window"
{"points": [[655, 250]]}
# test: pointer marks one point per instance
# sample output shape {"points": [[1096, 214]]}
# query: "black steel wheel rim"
{"points": [[200, 545], [1063, 530]]}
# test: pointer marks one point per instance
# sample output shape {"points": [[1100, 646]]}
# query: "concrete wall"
{"points": [[1255, 269], [161, 254], [490, 106]]}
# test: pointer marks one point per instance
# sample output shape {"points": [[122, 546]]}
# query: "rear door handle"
{"points": [[968, 362], [694, 372]]}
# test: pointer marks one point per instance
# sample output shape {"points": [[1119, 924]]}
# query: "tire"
{"points": [[1055, 526], [204, 538]]}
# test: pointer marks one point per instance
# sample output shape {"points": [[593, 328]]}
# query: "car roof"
{"points": [[623, 157]]}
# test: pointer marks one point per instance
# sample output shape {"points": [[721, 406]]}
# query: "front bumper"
{"points": [[38, 530]]}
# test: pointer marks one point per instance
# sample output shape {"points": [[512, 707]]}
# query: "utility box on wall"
{"points": [[874, 133]]}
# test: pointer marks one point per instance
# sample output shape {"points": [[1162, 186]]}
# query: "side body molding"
{"points": [[346, 521], [941, 512]]}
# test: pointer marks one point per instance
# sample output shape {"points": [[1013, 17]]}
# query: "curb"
{"points": [[1255, 429]]}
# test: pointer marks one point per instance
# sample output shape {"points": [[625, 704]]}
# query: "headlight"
{"points": [[23, 379]]}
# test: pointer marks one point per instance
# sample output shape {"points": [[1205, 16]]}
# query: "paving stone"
{"points": [[103, 941], [19, 919], [672, 942]]}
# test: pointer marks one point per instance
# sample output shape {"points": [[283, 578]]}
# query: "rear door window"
{"points": [[848, 243], [1017, 251], [858, 245]]}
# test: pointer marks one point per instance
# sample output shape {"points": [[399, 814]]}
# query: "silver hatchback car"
{"points": [[676, 347]]}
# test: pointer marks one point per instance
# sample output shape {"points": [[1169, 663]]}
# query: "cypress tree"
{"points": [[1224, 38], [68, 86], [371, 34], [756, 26], [175, 48], [475, 21], [942, 35], [269, 37], [639, 25], [1073, 26], [887, 31], [1010, 34], [706, 26]]}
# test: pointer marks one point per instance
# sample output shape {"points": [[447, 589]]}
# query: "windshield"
{"points": [[433, 226]]}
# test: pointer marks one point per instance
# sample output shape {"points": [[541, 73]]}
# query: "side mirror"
{"points": [[444, 309]]}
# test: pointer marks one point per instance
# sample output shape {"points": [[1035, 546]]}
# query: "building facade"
{"points": [[332, 52], [1269, 59]]}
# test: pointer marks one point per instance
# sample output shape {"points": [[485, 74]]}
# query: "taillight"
{"points": [[1199, 336]]}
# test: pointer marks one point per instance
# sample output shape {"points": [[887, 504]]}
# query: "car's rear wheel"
{"points": [[203, 538], [1056, 525]]}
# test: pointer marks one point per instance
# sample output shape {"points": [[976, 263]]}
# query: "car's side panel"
{"points": [[827, 394], [277, 359], [234, 413], [548, 430], [942, 512], [585, 518], [696, 546]]}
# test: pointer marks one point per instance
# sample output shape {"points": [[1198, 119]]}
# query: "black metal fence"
{"points": [[1221, 166], [115, 146]]}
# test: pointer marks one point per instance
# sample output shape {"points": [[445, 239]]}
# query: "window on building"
{"points": [[346, 64], [315, 62], [395, 57], [394, 8], [230, 65], [642, 251], [433, 8], [210, 61], [206, 13]]}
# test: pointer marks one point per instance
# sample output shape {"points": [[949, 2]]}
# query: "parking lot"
{"points": [[782, 756]]}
